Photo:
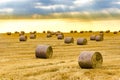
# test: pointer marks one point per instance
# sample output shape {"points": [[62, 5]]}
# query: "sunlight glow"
{"points": [[57, 25]]}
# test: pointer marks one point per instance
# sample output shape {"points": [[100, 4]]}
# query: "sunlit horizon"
{"points": [[63, 25]]}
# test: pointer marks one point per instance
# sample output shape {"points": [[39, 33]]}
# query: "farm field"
{"points": [[18, 61]]}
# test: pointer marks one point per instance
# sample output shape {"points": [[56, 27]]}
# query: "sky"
{"points": [[38, 8], [82, 9]]}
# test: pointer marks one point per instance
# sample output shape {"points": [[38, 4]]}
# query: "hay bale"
{"points": [[86, 31], [75, 31], [115, 32], [69, 40], [107, 31], [71, 31], [16, 32], [92, 37], [44, 31], [58, 33], [101, 31], [9, 33], [98, 38], [90, 59], [43, 51], [31, 32], [34, 32], [60, 36], [49, 35], [22, 32], [22, 38], [48, 31], [90, 31], [81, 31], [81, 41], [32, 36], [52, 33]]}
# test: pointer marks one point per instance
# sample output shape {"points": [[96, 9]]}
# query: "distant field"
{"points": [[18, 62]]}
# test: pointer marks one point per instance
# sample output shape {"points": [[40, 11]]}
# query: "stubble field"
{"points": [[18, 61]]}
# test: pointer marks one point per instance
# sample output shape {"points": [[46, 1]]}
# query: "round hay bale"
{"points": [[58, 33], [60, 36], [71, 31], [48, 31], [92, 37], [9, 33], [52, 33], [90, 31], [81, 41], [31, 32], [69, 40], [43, 51], [81, 31], [90, 59], [22, 32], [101, 31], [16, 32], [108, 31], [44, 31], [32, 36], [34, 32], [98, 38], [115, 32], [22, 38], [86, 31], [75, 31], [49, 35]]}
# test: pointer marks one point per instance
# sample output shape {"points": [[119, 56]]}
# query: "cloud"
{"points": [[107, 11], [7, 1], [38, 3], [103, 13], [82, 2], [113, 10], [116, 2], [51, 6], [64, 5], [6, 10], [46, 7]]}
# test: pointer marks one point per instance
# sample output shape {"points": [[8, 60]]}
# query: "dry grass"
{"points": [[18, 62]]}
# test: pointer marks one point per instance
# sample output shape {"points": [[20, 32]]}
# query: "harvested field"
{"points": [[18, 61]]}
